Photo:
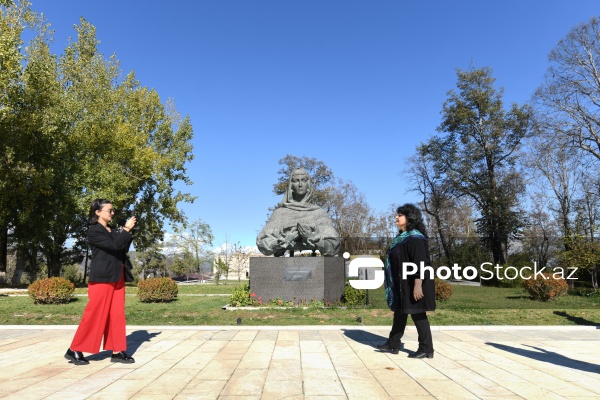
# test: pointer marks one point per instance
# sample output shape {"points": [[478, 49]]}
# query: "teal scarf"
{"points": [[392, 301]]}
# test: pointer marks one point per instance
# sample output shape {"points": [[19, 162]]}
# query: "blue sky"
{"points": [[356, 84]]}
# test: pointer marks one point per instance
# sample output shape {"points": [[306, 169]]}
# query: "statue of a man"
{"points": [[298, 225]]}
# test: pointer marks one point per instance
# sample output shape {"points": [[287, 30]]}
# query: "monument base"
{"points": [[297, 279]]}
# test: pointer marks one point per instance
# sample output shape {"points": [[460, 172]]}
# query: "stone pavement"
{"points": [[306, 362]]}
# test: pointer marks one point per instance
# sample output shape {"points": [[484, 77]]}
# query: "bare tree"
{"points": [[352, 217], [436, 195], [190, 244], [570, 94], [559, 165]]}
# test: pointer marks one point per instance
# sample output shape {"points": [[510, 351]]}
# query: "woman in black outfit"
{"points": [[409, 294]]}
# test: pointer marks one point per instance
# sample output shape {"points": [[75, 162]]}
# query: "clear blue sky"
{"points": [[355, 84]]}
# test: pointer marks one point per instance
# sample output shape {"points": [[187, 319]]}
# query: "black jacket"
{"points": [[109, 254], [413, 249]]}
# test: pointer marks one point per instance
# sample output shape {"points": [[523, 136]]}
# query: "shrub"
{"points": [[354, 297], [72, 273], [156, 290], [443, 290], [242, 296], [51, 291], [545, 288]]}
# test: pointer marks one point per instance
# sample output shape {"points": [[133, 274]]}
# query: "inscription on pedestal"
{"points": [[297, 279]]}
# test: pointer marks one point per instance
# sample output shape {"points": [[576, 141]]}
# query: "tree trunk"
{"points": [[3, 248], [54, 262], [19, 267], [85, 268], [32, 270]]}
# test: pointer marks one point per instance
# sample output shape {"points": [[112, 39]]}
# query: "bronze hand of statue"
{"points": [[308, 234], [287, 239]]}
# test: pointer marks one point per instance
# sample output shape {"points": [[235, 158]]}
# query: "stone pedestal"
{"points": [[297, 279]]}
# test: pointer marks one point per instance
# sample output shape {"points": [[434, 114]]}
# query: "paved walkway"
{"points": [[305, 362]]}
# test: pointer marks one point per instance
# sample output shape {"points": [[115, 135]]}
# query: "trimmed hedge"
{"points": [[157, 290], [546, 288], [443, 290], [51, 291]]}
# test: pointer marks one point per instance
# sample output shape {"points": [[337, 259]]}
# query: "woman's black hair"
{"points": [[96, 206], [414, 218]]}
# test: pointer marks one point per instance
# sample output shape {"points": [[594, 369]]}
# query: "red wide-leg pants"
{"points": [[104, 316]]}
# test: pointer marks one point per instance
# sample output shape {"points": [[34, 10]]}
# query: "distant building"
{"points": [[238, 263]]}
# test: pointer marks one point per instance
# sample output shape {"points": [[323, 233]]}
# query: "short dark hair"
{"points": [[96, 206], [414, 218]]}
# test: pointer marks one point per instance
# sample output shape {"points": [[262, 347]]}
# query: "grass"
{"points": [[468, 306]]}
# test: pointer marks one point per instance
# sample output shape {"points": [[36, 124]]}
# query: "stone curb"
{"points": [[320, 327]]}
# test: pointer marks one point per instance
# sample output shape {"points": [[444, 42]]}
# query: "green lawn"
{"points": [[468, 306]]}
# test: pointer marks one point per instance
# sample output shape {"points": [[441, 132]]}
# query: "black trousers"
{"points": [[423, 330]]}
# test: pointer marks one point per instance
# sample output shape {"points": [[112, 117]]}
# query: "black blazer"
{"points": [[412, 249], [109, 253]]}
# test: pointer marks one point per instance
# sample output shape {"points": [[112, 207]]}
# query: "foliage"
{"points": [[583, 254], [354, 297], [545, 288], [150, 261], [443, 290], [241, 296], [59, 114], [190, 246], [183, 264], [221, 268], [51, 291], [72, 273], [280, 303], [155, 290], [477, 152]]}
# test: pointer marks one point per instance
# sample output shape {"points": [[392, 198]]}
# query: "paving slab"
{"points": [[306, 362]]}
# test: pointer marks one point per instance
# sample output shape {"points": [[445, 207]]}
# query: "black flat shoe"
{"points": [[420, 354], [386, 347], [76, 357], [122, 357]]}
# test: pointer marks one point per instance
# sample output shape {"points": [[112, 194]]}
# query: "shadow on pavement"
{"points": [[135, 340], [364, 337], [577, 320], [368, 339], [549, 357]]}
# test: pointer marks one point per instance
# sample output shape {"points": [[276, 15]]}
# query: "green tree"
{"points": [[150, 262], [477, 153], [221, 268], [183, 264], [583, 254], [190, 244], [16, 171], [72, 129]]}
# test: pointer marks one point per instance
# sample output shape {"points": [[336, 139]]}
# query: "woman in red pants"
{"points": [[104, 315]]}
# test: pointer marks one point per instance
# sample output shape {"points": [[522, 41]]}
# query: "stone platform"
{"points": [[297, 279]]}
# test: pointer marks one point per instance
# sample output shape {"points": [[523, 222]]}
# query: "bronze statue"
{"points": [[297, 224]]}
